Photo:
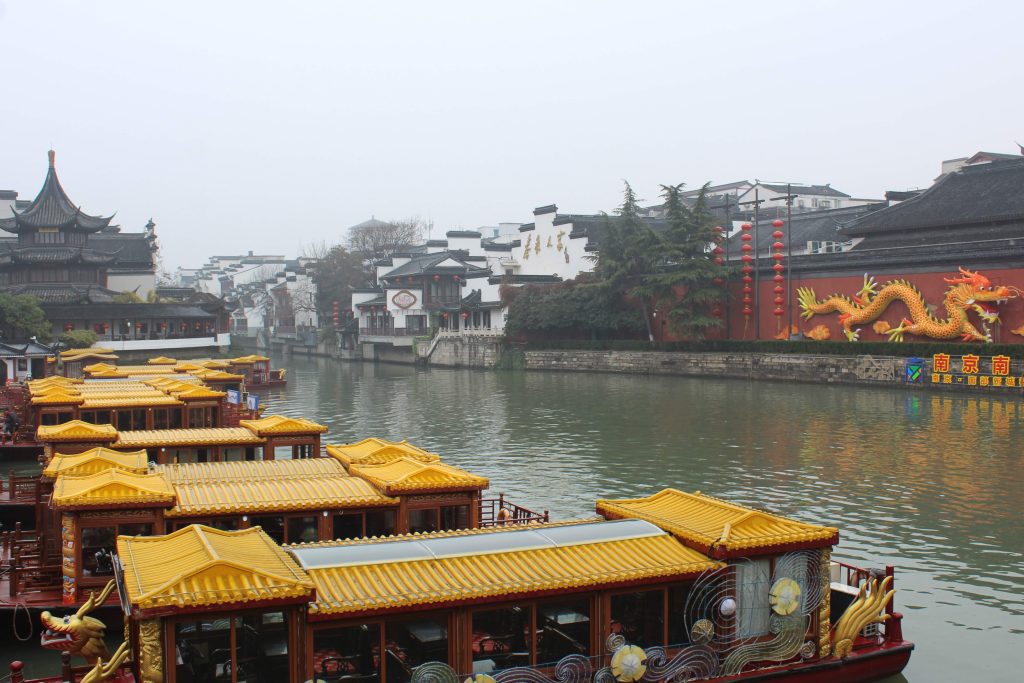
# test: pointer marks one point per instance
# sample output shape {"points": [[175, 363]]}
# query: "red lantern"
{"points": [[746, 258], [777, 234], [465, 315], [747, 311], [437, 278], [778, 267], [779, 245], [716, 312], [779, 289], [719, 229], [747, 270], [719, 281], [778, 256], [719, 261], [778, 223], [718, 250], [746, 226], [747, 279], [779, 300], [444, 315], [778, 278], [748, 290], [746, 237], [747, 248], [455, 277]]}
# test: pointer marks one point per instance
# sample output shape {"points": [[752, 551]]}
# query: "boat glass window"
{"points": [[501, 638], [301, 530], [381, 522], [597, 532], [347, 654], [753, 581], [347, 525], [563, 628], [411, 642], [454, 517], [639, 617], [97, 546], [678, 632], [273, 526], [339, 556], [282, 452], [203, 651], [423, 521]]}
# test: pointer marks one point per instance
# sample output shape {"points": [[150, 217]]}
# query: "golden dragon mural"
{"points": [[969, 291], [78, 633]]}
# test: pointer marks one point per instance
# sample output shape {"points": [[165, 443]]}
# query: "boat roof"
{"points": [[96, 460], [76, 430], [374, 451], [279, 425], [207, 436], [255, 486], [408, 475], [111, 488], [719, 528], [447, 568], [199, 567]]}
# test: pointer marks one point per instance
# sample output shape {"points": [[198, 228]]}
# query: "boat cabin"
{"points": [[268, 438], [673, 584], [257, 371]]}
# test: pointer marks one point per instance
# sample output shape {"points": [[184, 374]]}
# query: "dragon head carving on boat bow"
{"points": [[78, 633], [969, 291]]}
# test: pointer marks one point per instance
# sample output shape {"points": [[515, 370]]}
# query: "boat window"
{"points": [[301, 530], [225, 523], [753, 581], [203, 651], [598, 532], [347, 654], [454, 517], [639, 617], [563, 629], [678, 633], [273, 526], [161, 418], [381, 522], [97, 546], [501, 638], [302, 450], [235, 453], [348, 525], [411, 642], [423, 521], [282, 452], [137, 419]]}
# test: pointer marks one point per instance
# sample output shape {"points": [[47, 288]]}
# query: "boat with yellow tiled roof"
{"points": [[672, 586]]}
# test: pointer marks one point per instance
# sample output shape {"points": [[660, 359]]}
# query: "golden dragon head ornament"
{"points": [[974, 290], [78, 633]]}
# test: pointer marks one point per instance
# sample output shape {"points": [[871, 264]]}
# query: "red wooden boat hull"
{"points": [[860, 666]]}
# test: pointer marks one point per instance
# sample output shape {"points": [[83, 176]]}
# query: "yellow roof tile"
{"points": [[96, 460], [107, 374], [161, 360], [274, 425], [53, 381], [196, 393], [111, 488], [218, 376], [56, 397], [407, 475], [76, 430], [375, 451], [242, 487], [248, 360], [188, 367], [719, 528], [209, 436], [99, 367], [134, 370], [198, 566], [430, 569], [81, 354], [213, 364], [129, 401]]}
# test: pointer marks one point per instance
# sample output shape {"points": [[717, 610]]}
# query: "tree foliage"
{"points": [[79, 339], [337, 272], [380, 239], [571, 308], [21, 318], [126, 297]]}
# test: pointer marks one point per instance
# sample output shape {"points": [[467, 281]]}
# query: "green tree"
{"points": [[336, 272], [126, 298], [681, 284], [584, 307], [79, 339], [628, 251], [21, 318]]}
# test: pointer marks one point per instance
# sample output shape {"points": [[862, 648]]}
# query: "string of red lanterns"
{"points": [[779, 290], [747, 270]]}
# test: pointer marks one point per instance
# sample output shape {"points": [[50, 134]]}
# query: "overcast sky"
{"points": [[265, 126]]}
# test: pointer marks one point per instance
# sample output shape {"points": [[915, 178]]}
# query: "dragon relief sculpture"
{"points": [[78, 633], [970, 291]]}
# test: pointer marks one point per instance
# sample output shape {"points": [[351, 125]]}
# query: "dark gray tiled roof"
{"points": [[814, 226], [60, 293], [52, 208], [426, 263], [541, 210], [129, 311], [973, 196], [463, 233], [813, 190], [52, 254]]}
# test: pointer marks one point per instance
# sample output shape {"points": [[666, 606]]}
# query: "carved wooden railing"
{"points": [[491, 513]]}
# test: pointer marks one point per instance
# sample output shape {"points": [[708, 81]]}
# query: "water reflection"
{"points": [[928, 482]]}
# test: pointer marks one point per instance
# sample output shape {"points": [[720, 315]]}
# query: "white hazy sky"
{"points": [[267, 125]]}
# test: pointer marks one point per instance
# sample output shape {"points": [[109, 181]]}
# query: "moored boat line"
{"points": [[229, 567]]}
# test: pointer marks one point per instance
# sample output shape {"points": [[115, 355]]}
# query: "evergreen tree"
{"points": [[681, 285], [22, 318]]}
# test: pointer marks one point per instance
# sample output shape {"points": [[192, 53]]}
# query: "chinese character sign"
{"points": [[970, 364], [1001, 365], [940, 362], [971, 370]]}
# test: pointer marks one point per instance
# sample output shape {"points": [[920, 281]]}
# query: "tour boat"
{"points": [[673, 586]]}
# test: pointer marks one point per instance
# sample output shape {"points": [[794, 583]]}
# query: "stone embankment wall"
{"points": [[791, 367], [467, 353]]}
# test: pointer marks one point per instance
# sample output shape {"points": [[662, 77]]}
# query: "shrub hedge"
{"points": [[814, 348]]}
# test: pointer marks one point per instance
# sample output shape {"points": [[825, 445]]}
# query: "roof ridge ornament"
{"points": [[52, 155]]}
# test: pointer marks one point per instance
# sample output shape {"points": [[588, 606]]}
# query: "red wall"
{"points": [[931, 286]]}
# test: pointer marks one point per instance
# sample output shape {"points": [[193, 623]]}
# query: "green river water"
{"points": [[929, 482]]}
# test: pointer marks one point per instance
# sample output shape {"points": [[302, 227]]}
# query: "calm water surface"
{"points": [[931, 483]]}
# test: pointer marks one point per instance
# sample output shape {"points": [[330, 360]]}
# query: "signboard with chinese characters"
{"points": [[404, 299], [975, 371]]}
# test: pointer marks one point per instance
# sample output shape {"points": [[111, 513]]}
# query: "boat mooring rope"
{"points": [[14, 622]]}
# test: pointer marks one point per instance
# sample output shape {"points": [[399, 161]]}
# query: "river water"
{"points": [[931, 483]]}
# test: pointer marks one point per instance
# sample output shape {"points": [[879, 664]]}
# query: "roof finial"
{"points": [[52, 156]]}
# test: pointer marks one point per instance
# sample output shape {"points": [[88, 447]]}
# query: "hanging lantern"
{"points": [[718, 281], [455, 277], [465, 315], [778, 223], [719, 261], [746, 237], [68, 327], [748, 290], [444, 315], [746, 258], [779, 311], [779, 289], [779, 300], [747, 279], [719, 229], [777, 234], [747, 248], [778, 278], [747, 270], [779, 246], [778, 257], [437, 278], [718, 250], [746, 226], [778, 268]]}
